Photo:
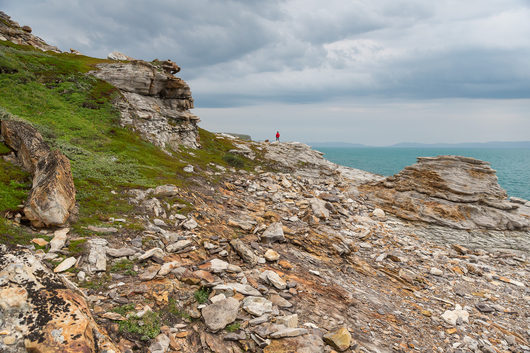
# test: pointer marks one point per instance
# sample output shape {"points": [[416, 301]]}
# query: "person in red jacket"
{"points": [[277, 136]]}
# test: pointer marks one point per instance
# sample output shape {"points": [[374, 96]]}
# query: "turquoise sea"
{"points": [[512, 164]]}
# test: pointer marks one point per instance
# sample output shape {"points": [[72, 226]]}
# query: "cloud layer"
{"points": [[243, 53]]}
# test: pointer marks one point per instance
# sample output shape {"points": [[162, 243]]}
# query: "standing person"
{"points": [[277, 136]]}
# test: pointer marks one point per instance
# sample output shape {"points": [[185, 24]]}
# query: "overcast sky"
{"points": [[376, 72]]}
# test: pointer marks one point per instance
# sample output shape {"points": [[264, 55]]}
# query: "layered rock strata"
{"points": [[40, 313], [11, 31], [155, 103], [52, 197], [453, 191]]}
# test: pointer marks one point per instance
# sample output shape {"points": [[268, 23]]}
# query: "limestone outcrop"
{"points": [[11, 31], [40, 313], [458, 192], [155, 103], [52, 196]]}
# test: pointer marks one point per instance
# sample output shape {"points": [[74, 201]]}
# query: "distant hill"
{"points": [[336, 144], [493, 144]]}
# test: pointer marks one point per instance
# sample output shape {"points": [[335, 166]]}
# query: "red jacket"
{"points": [[277, 135]]}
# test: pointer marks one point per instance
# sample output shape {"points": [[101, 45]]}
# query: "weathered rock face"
{"points": [[52, 196], [453, 191], [40, 312], [26, 140], [11, 31], [155, 103]]}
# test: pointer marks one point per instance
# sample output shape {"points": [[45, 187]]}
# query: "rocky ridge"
{"points": [[13, 32]]}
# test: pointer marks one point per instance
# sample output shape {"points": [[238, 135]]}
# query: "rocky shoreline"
{"points": [[306, 257]]}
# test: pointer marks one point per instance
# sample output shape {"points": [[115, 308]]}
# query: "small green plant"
{"points": [[124, 309], [122, 265], [233, 327], [147, 327], [76, 247], [234, 160], [201, 295]]}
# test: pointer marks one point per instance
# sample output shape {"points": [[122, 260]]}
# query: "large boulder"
{"points": [[454, 191], [155, 103], [42, 312], [52, 196]]}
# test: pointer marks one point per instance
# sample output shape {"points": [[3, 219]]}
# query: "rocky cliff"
{"points": [[155, 103]]}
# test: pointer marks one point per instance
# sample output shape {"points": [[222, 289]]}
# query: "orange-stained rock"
{"points": [[52, 196], [47, 315]]}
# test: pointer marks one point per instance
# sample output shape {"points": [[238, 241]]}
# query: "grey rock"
{"points": [[157, 252], [257, 306], [97, 258], [289, 332], [273, 278], [274, 233], [244, 289], [179, 245], [216, 316], [121, 252], [244, 252]]}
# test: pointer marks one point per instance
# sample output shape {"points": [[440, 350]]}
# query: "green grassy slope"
{"points": [[74, 113]]}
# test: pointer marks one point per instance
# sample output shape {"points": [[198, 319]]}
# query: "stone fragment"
{"points": [[279, 301], [257, 306], [289, 332], [149, 273], [65, 265], [217, 315], [483, 308], [273, 278], [244, 252], [271, 255], [319, 208], [288, 320], [39, 241], [179, 245], [436, 271], [452, 317], [379, 213], [113, 316], [244, 289], [160, 344], [274, 233], [121, 252], [154, 252], [339, 339], [97, 258], [166, 191], [167, 267], [59, 239], [217, 298], [188, 168]]}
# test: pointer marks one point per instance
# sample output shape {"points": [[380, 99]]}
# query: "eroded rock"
{"points": [[454, 191], [44, 315]]}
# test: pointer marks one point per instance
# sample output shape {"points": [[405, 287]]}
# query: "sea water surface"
{"points": [[512, 164]]}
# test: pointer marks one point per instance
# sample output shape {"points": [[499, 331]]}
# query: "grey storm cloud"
{"points": [[299, 56], [240, 52]]}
